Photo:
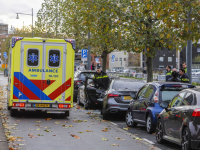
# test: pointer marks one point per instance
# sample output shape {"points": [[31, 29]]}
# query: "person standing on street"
{"points": [[100, 79], [183, 76], [93, 66], [81, 67], [174, 77], [169, 72], [184, 66]]}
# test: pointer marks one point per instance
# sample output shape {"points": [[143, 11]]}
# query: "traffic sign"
{"points": [[97, 60], [5, 55], [113, 58], [84, 54]]}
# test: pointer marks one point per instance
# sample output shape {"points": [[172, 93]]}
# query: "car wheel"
{"points": [[78, 98], [149, 125], [159, 132], [186, 140], [129, 119], [13, 112]]}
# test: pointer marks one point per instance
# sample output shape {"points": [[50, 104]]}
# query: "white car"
{"points": [[195, 71], [198, 73]]}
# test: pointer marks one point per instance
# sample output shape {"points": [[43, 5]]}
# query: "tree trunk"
{"points": [[149, 63], [104, 56]]}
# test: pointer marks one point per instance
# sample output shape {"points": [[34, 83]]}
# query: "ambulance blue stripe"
{"points": [[16, 93], [31, 86]]}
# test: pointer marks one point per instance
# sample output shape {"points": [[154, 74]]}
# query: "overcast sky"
{"points": [[9, 8]]}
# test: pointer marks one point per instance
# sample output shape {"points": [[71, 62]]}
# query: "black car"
{"points": [[179, 122], [118, 96], [145, 106], [89, 95], [79, 78]]}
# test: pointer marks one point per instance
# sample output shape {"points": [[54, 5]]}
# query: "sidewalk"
{"points": [[3, 140]]}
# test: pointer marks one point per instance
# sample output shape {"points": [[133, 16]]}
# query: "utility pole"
{"points": [[89, 55], [189, 52]]}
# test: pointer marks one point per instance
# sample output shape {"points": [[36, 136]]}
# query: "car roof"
{"points": [[159, 83]]}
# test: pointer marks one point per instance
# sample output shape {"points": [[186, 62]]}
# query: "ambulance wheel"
{"points": [[13, 112]]}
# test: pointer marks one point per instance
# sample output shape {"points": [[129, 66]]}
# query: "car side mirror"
{"points": [[133, 95], [164, 104]]}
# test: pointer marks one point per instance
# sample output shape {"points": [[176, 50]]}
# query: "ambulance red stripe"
{"points": [[68, 99], [25, 90], [60, 90], [15, 97]]}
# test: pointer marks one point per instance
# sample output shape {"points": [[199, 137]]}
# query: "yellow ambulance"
{"points": [[41, 75]]}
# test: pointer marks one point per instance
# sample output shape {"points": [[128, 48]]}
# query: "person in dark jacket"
{"points": [[100, 79], [169, 72], [183, 77], [174, 77], [93, 66]]}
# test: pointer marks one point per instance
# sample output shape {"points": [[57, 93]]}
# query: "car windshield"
{"points": [[127, 85], [90, 75]]}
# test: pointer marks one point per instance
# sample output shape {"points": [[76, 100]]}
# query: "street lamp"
{"points": [[27, 14]]}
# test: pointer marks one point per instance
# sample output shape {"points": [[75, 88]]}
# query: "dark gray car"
{"points": [[179, 122], [118, 96]]}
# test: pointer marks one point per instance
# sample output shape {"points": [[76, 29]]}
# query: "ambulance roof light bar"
{"points": [[15, 39], [72, 41]]}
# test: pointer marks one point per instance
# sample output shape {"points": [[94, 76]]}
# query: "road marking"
{"points": [[113, 123], [148, 141]]}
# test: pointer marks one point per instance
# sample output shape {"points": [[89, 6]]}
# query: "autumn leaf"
{"points": [[114, 145], [79, 132], [70, 125], [105, 130], [47, 130], [37, 121], [40, 135], [147, 49], [103, 9], [47, 119], [125, 128], [104, 139], [75, 136], [119, 138], [89, 131]]}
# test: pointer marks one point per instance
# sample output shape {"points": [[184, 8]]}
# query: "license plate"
{"points": [[127, 97], [41, 105]]}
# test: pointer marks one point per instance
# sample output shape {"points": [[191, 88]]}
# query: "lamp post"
{"points": [[27, 14]]}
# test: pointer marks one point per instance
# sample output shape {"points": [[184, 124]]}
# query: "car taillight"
{"points": [[113, 95], [155, 98], [77, 82], [64, 105], [196, 113], [18, 104]]}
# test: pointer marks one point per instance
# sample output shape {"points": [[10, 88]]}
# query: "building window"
{"points": [[161, 59], [116, 59], [198, 49], [124, 59], [161, 66], [169, 59]]}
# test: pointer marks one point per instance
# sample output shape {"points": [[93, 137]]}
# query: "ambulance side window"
{"points": [[54, 58], [33, 57]]}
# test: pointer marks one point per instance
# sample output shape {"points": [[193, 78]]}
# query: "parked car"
{"points": [[118, 96], [112, 70], [179, 122], [145, 106], [79, 78], [126, 71], [194, 71]]}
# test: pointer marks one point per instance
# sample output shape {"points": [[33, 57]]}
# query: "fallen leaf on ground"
{"points": [[119, 138], [38, 129], [104, 139], [47, 130], [88, 113], [53, 135], [75, 136], [40, 135], [151, 148], [89, 131], [47, 127], [79, 132], [105, 130], [92, 124], [114, 145], [47, 119], [85, 121], [125, 128], [70, 125], [32, 136], [57, 122], [37, 121]]}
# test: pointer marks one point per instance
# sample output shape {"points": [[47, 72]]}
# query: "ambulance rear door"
{"points": [[28, 82], [55, 70]]}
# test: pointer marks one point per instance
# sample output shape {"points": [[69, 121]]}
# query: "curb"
{"points": [[3, 140]]}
